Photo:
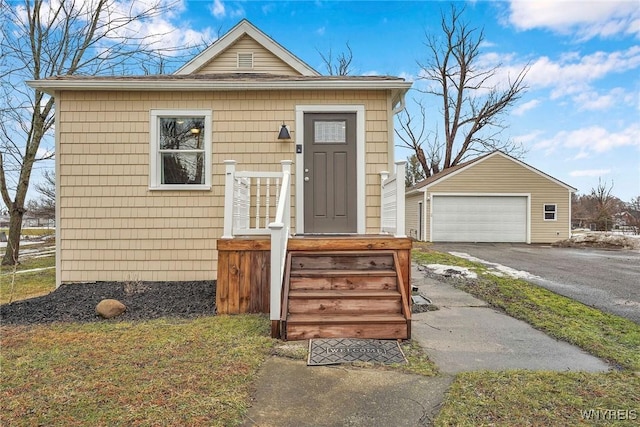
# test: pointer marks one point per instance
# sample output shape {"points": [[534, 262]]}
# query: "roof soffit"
{"points": [[236, 33]]}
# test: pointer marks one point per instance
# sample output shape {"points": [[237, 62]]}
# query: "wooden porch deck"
{"points": [[334, 286]]}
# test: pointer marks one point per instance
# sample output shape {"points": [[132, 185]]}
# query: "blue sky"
{"points": [[579, 120]]}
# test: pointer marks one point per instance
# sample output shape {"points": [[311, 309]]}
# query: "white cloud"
{"points": [[584, 19], [593, 101], [589, 172], [528, 137], [573, 74], [218, 9], [523, 108], [320, 31], [592, 140]]}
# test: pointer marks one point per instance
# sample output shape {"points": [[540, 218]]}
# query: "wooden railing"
{"points": [[259, 203], [392, 201]]}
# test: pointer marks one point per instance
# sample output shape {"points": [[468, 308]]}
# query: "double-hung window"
{"points": [[180, 151], [550, 211]]}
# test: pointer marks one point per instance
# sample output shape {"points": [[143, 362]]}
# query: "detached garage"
{"points": [[493, 198]]}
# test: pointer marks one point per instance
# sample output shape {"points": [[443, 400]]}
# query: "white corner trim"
{"points": [[360, 159]]}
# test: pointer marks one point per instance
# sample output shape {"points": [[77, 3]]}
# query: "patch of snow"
{"points": [[449, 270], [498, 269], [606, 239]]}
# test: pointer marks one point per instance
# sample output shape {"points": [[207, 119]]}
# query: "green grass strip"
{"points": [[29, 284], [525, 398]]}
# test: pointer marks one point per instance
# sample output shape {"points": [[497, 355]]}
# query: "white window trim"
{"points": [[154, 151], [545, 212]]}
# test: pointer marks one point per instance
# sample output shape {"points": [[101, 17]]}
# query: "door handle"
{"points": [[306, 179]]}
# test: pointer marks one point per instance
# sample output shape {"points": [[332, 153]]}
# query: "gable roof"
{"points": [[422, 186], [243, 28]]}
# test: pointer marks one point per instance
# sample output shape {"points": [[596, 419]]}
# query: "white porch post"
{"points": [[384, 175], [230, 170], [400, 172]]}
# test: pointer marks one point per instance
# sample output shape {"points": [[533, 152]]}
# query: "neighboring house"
{"points": [[493, 198], [158, 176]]}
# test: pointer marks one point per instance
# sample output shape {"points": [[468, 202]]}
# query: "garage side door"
{"points": [[479, 219]]}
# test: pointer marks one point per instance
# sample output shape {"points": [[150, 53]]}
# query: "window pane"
{"points": [[181, 133], [330, 132], [183, 168], [549, 208], [549, 215]]}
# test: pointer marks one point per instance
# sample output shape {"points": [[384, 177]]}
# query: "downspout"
{"points": [[400, 105]]}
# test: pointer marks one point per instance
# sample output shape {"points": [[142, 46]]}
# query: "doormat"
{"points": [[335, 351]]}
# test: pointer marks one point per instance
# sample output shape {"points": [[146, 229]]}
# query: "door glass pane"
{"points": [[330, 132]]}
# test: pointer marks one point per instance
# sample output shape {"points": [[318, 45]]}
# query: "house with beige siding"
{"points": [[218, 171], [492, 198]]}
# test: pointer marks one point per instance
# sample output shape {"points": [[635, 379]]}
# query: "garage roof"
{"points": [[422, 186]]}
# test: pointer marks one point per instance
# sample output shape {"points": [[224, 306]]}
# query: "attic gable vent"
{"points": [[245, 60]]}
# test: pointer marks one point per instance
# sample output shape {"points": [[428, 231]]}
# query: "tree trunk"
{"points": [[13, 240]]}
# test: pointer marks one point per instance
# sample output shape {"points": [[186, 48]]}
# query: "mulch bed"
{"points": [[144, 300]]}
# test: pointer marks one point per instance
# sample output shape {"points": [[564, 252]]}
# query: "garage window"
{"points": [[550, 211]]}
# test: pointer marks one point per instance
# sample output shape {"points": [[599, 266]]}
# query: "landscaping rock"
{"points": [[110, 308]]}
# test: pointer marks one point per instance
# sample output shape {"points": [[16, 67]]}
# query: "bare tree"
{"points": [[473, 104], [45, 206], [604, 205], [41, 39], [342, 66]]}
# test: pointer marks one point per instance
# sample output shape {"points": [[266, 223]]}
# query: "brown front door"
{"points": [[330, 173]]}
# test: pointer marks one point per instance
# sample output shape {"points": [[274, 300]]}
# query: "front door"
{"points": [[330, 173]]}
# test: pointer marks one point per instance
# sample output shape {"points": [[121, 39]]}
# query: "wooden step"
{"points": [[344, 302], [306, 326], [348, 294], [342, 273], [339, 283], [347, 260]]}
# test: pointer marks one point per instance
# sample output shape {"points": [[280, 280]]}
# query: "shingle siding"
{"points": [[263, 60], [112, 227]]}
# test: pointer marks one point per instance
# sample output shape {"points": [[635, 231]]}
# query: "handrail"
{"points": [[279, 230]]}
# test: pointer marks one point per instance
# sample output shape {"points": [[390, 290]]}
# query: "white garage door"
{"points": [[479, 219]]}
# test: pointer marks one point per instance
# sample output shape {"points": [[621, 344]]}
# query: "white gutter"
{"points": [[51, 86]]}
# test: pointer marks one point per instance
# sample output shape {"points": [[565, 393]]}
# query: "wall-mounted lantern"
{"points": [[284, 132]]}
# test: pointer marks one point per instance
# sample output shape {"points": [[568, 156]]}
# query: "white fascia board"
{"points": [[50, 86], [245, 27]]}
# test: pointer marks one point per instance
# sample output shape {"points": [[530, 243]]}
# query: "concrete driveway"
{"points": [[606, 279]]}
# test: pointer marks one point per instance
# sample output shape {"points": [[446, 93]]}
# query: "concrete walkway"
{"points": [[463, 335]]}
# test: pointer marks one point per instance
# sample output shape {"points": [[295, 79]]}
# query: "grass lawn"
{"points": [[27, 285], [161, 372], [546, 398], [33, 231]]}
